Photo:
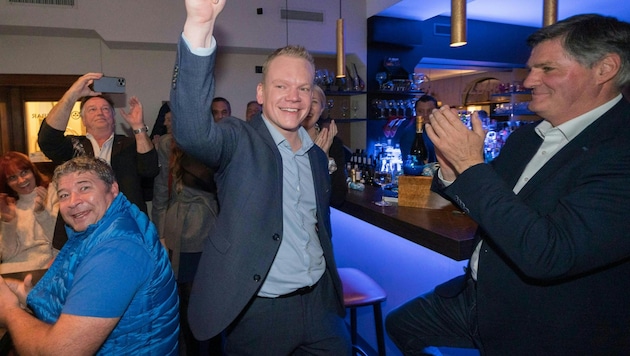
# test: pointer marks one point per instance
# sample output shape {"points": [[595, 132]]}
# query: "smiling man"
{"points": [[110, 290], [267, 274], [549, 273]]}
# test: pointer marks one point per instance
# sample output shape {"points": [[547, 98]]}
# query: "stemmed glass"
{"points": [[383, 178], [380, 78], [330, 104]]}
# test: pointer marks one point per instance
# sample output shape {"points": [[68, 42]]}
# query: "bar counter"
{"points": [[443, 228], [407, 251]]}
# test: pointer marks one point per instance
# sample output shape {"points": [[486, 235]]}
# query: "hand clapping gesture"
{"points": [[325, 137], [135, 116], [457, 147], [40, 199], [7, 207]]}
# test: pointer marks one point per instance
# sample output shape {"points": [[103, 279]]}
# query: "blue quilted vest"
{"points": [[150, 325]]}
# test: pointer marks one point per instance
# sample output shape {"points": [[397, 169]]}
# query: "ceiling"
{"points": [[515, 12]]}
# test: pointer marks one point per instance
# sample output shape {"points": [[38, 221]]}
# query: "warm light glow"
{"points": [[550, 12], [341, 52], [458, 23]]}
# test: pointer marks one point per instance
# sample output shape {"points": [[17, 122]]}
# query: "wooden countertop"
{"points": [[443, 229]]}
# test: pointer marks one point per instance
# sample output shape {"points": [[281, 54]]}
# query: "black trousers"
{"points": [[302, 324], [432, 320]]}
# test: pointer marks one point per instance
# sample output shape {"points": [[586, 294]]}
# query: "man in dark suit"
{"points": [[267, 274], [134, 160], [549, 275]]}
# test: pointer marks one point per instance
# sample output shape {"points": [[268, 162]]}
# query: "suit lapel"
{"points": [[601, 130]]}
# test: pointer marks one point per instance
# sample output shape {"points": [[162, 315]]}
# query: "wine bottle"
{"points": [[418, 147]]}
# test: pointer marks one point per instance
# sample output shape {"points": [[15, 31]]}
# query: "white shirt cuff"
{"points": [[201, 51]]}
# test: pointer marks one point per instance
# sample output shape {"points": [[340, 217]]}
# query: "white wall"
{"points": [[136, 40]]}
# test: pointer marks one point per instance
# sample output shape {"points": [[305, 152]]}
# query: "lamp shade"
{"points": [[458, 23], [550, 12], [341, 52]]}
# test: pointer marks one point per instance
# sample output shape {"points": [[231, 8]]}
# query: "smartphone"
{"points": [[109, 85]]}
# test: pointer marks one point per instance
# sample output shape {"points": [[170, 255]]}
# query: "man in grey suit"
{"points": [[550, 273], [267, 274]]}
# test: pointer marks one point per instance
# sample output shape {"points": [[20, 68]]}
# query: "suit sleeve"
{"points": [[54, 143], [572, 224], [192, 91]]}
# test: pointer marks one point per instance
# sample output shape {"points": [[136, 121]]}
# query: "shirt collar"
{"points": [[575, 126], [91, 137], [278, 139]]}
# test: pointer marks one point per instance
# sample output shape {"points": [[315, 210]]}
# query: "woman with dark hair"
{"points": [[28, 208]]}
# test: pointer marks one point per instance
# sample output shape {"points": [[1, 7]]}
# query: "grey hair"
{"points": [[589, 38], [83, 164]]}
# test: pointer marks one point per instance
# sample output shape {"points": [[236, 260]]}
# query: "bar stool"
{"points": [[360, 290]]}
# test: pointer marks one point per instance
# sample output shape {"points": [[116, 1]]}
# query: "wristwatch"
{"points": [[332, 165], [141, 130]]}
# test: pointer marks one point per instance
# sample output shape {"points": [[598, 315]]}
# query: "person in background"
{"points": [[424, 106], [253, 108], [267, 274], [220, 108], [549, 273], [28, 209], [326, 138], [110, 290], [133, 159], [159, 127], [185, 208]]}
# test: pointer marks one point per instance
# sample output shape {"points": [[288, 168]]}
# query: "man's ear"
{"points": [[115, 189], [608, 67]]}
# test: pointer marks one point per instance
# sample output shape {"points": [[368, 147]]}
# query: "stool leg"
{"points": [[353, 325], [380, 335]]}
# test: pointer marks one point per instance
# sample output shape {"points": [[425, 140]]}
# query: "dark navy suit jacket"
{"points": [[554, 268]]}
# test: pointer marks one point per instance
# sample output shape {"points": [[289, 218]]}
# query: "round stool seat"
{"points": [[359, 289]]}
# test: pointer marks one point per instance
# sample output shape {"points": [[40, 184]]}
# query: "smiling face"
{"points": [[317, 108], [97, 114], [286, 92], [562, 88], [22, 182], [84, 198]]}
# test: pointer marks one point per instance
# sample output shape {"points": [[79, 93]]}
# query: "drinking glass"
{"points": [[382, 178], [380, 78], [330, 104]]}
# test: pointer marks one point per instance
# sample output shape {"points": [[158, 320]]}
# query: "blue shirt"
{"points": [[300, 259]]}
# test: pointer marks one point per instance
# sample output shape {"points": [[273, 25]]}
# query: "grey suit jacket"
{"points": [[239, 252], [554, 270]]}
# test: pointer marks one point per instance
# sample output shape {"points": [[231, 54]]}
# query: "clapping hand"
{"points": [[40, 199], [7, 207], [457, 147], [325, 136], [134, 117]]}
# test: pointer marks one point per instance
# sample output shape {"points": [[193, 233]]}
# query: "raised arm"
{"points": [[60, 114], [200, 18]]}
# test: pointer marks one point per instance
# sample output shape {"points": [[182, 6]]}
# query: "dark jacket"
{"points": [[554, 268], [134, 171]]}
